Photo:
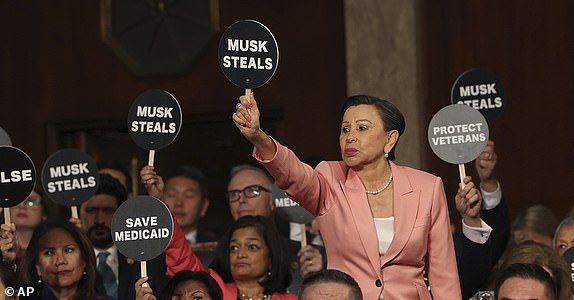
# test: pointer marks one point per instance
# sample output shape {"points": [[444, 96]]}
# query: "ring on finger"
{"points": [[237, 106]]}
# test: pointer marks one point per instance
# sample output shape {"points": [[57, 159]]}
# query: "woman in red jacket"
{"points": [[249, 261]]}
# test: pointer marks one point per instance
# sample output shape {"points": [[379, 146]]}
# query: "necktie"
{"points": [[107, 275]]}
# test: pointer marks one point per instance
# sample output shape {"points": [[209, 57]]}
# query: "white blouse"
{"points": [[385, 232]]}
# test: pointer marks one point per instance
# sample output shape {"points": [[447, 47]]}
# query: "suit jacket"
{"points": [[335, 194], [475, 260], [129, 273]]}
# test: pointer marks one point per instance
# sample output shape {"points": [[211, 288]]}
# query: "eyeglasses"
{"points": [[31, 202], [251, 191]]}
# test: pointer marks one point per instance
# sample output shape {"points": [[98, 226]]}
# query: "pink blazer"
{"points": [[335, 194]]}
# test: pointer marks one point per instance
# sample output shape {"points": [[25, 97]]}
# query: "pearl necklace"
{"points": [[383, 188], [242, 296]]}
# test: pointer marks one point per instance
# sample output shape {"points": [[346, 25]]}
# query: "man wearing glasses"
{"points": [[249, 192]]}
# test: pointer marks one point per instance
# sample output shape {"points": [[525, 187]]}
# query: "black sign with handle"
{"points": [[248, 54], [289, 209], [17, 176], [154, 120], [142, 228], [70, 177], [481, 90]]}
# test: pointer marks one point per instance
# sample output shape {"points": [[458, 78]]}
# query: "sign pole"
{"points": [[247, 94], [303, 235], [462, 172], [74, 211], [151, 158], [7, 215], [143, 267]]}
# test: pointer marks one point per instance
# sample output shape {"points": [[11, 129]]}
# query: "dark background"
{"points": [[62, 86]]}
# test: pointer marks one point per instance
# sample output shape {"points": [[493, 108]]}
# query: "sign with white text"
{"points": [[481, 90], [70, 177], [154, 120], [458, 133], [17, 176], [289, 209], [142, 227], [248, 54]]}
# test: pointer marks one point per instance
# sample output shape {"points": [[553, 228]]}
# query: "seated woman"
{"points": [[61, 260], [184, 285], [25, 217], [249, 261]]}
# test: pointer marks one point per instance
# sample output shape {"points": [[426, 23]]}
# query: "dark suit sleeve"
{"points": [[498, 218], [130, 273], [473, 261]]}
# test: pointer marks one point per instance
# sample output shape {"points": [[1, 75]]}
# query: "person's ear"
{"points": [[392, 138], [204, 207]]}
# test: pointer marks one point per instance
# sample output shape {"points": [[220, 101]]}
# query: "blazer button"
{"points": [[378, 283]]}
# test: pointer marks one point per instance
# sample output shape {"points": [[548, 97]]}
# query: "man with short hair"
{"points": [[185, 193], [330, 284], [119, 172], [525, 282], [117, 272], [249, 192]]}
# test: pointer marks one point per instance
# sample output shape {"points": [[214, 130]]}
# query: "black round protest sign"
{"points": [[248, 54], [481, 90], [569, 257], [142, 228], [4, 138], [17, 176], [458, 133], [154, 119], [70, 177], [289, 209]]}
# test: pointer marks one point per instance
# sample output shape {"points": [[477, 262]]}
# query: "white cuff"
{"points": [[478, 235], [491, 199]]}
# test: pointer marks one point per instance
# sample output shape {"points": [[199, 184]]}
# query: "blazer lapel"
{"points": [[405, 208], [361, 212]]}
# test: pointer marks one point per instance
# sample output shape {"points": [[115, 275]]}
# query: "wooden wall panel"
{"points": [[530, 46]]}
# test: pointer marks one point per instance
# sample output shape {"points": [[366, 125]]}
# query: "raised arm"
{"points": [[246, 118]]}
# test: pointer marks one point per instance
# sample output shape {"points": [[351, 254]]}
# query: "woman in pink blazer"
{"points": [[382, 223]]}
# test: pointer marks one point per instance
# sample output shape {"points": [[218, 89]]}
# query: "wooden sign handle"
{"points": [[7, 215], [462, 172], [248, 94], [151, 158], [74, 211], [303, 235], [143, 268]]}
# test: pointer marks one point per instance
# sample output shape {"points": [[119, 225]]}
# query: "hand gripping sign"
{"points": [[142, 228], [70, 177], [17, 178], [154, 121], [458, 134], [291, 211], [481, 90], [4, 138], [248, 54]]}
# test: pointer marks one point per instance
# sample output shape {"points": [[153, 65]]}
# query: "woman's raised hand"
{"points": [[246, 117]]}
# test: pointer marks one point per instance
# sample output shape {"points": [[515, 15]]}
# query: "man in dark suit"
{"points": [[485, 223], [117, 272]]}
